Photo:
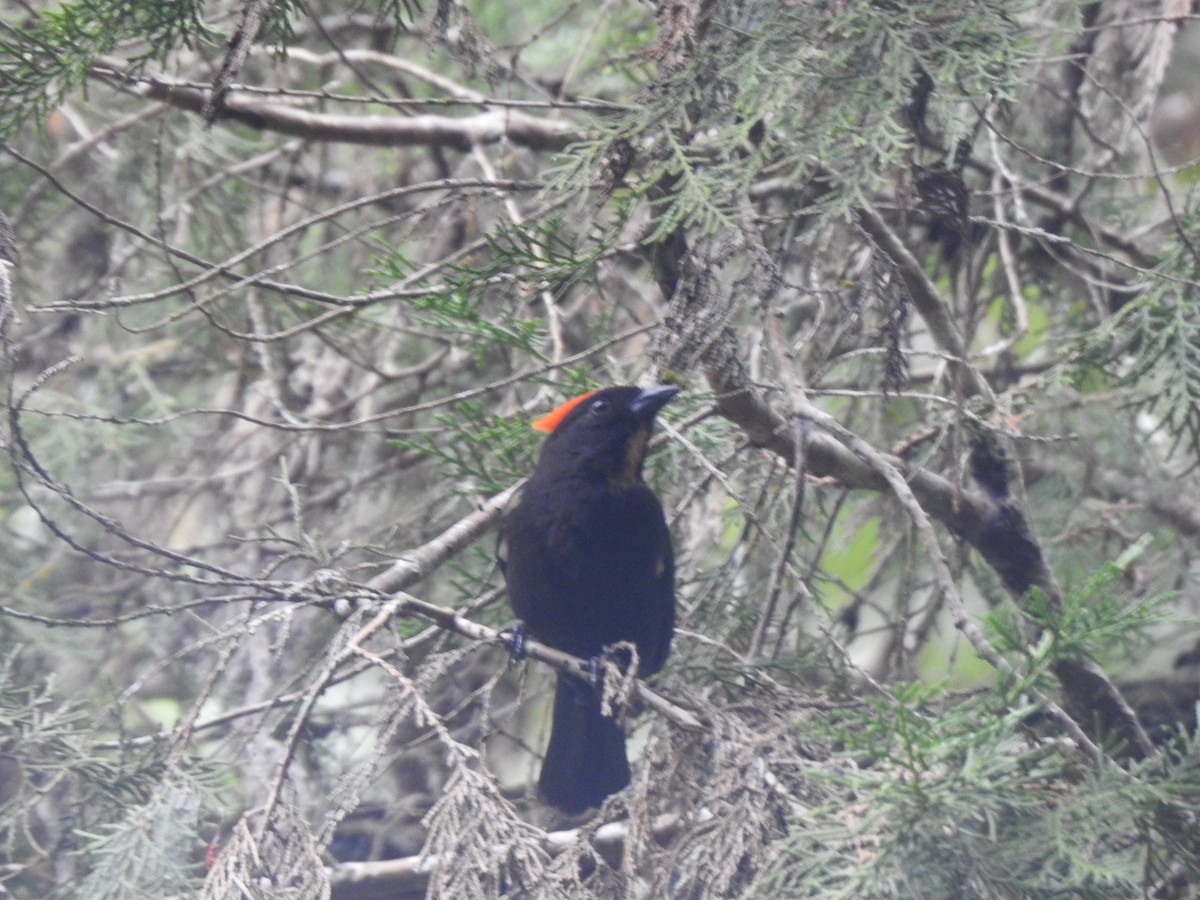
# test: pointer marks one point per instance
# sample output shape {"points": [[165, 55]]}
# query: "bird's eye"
{"points": [[599, 407]]}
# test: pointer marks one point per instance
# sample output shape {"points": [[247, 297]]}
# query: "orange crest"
{"points": [[552, 420]]}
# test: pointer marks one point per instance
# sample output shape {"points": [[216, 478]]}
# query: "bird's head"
{"points": [[602, 434]]}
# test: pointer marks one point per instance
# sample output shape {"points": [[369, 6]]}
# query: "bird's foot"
{"points": [[515, 639], [595, 669]]}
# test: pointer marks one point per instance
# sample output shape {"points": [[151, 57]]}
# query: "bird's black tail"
{"points": [[586, 760]]}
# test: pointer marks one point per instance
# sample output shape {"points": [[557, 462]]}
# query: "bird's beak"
{"points": [[650, 400]]}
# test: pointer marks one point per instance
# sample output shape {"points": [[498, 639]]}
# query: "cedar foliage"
{"points": [[284, 286]]}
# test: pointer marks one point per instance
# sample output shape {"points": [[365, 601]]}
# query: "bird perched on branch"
{"points": [[587, 558]]}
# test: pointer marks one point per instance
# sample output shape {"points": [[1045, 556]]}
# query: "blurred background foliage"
{"points": [[286, 283]]}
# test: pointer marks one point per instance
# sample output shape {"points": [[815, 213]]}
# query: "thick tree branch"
{"points": [[461, 133], [990, 528], [697, 331]]}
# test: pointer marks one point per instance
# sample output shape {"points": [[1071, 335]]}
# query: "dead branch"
{"points": [[461, 133]]}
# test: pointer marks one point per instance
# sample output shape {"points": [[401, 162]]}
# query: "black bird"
{"points": [[587, 557]]}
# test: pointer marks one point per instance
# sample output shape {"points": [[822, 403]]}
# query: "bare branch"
{"points": [[379, 131]]}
